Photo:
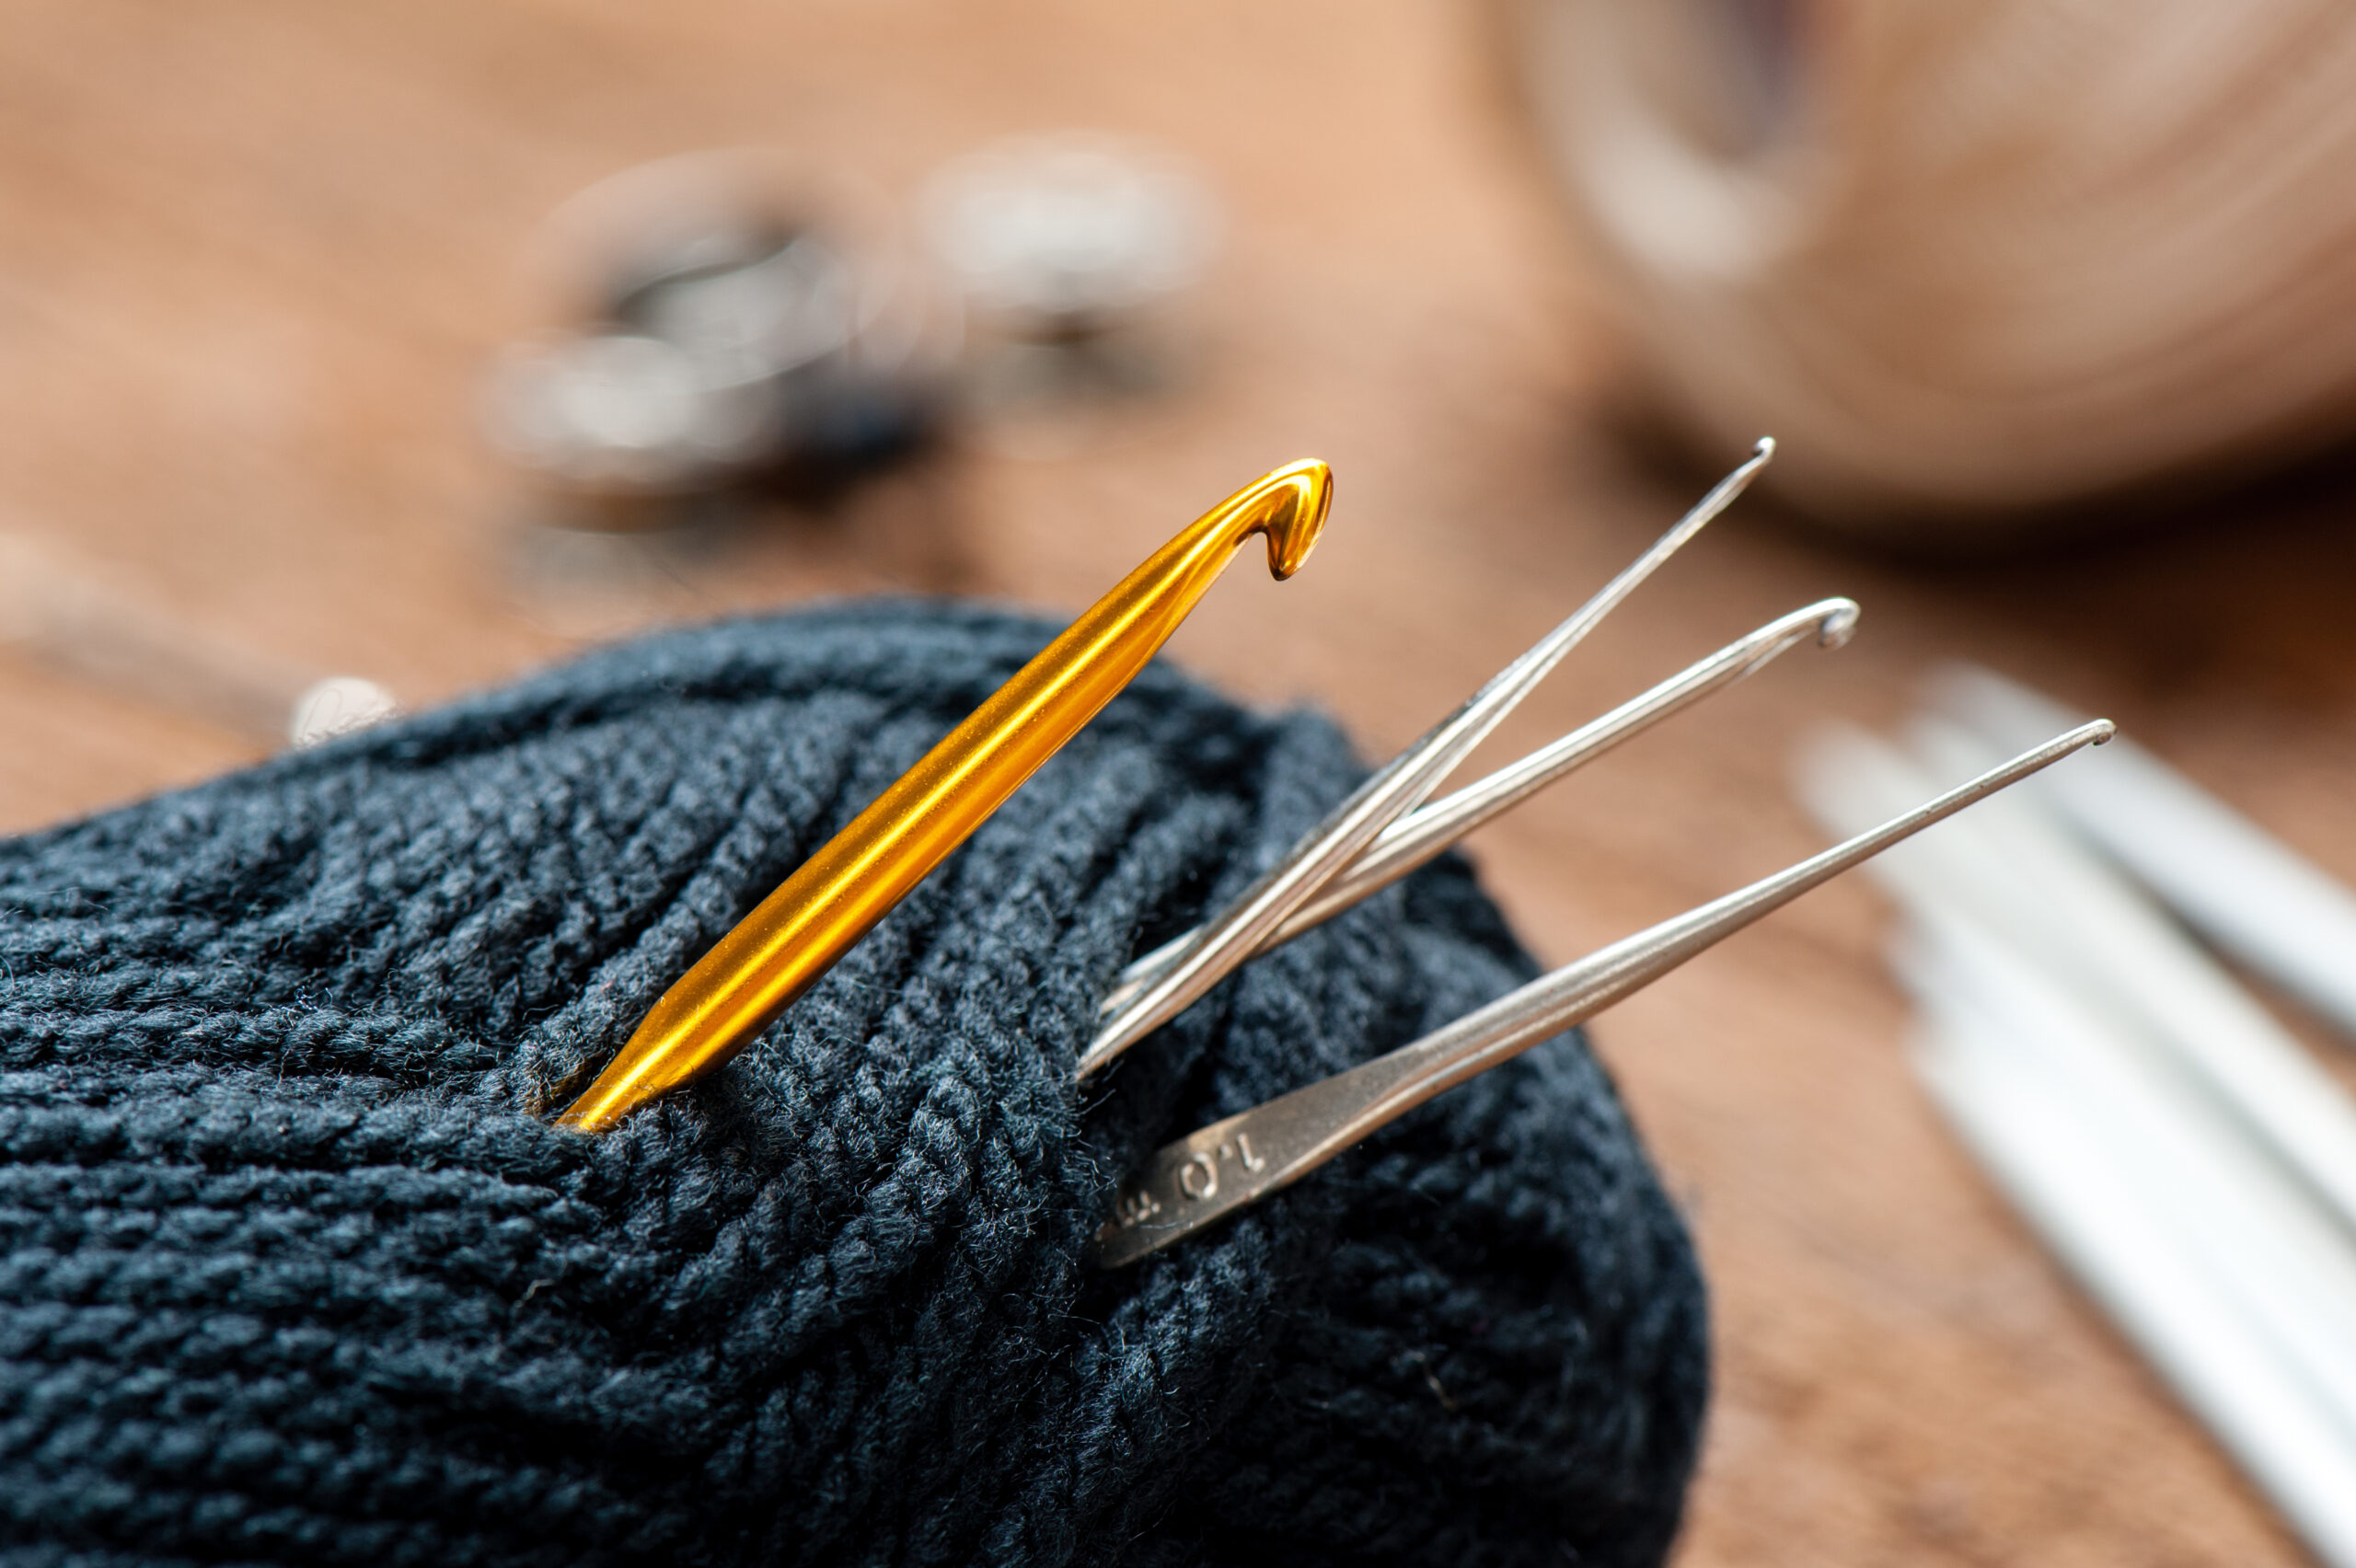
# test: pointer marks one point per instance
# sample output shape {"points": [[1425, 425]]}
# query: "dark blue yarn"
{"points": [[295, 1273]]}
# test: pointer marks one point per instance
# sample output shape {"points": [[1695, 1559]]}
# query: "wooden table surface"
{"points": [[254, 256]]}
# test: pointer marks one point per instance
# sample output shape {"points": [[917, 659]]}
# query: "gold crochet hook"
{"points": [[798, 932]]}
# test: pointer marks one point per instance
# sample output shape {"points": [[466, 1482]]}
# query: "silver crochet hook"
{"points": [[1209, 953], [1418, 838], [1210, 1173]]}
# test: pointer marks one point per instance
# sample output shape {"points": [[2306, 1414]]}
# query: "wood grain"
{"points": [[254, 255]]}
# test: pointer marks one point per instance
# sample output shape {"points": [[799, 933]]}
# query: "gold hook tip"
{"points": [[1289, 506]]}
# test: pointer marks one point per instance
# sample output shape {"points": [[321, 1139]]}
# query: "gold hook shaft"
{"points": [[798, 932]]}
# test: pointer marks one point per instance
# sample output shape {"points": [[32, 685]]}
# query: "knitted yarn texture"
{"points": [[295, 1270]]}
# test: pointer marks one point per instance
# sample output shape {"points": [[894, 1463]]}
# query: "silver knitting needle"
{"points": [[1424, 833], [1400, 786], [1210, 1173]]}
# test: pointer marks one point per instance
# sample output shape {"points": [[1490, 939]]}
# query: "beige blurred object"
{"points": [[1971, 260], [58, 611]]}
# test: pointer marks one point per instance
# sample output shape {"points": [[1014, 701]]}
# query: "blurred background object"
{"points": [[1070, 234], [338, 705], [61, 613], [1969, 262], [2176, 1145], [734, 316], [1069, 250], [739, 317]]}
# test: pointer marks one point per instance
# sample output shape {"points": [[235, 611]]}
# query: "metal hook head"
{"points": [[1289, 506]]}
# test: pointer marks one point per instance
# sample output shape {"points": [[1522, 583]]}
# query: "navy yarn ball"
{"points": [[296, 1272]]}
